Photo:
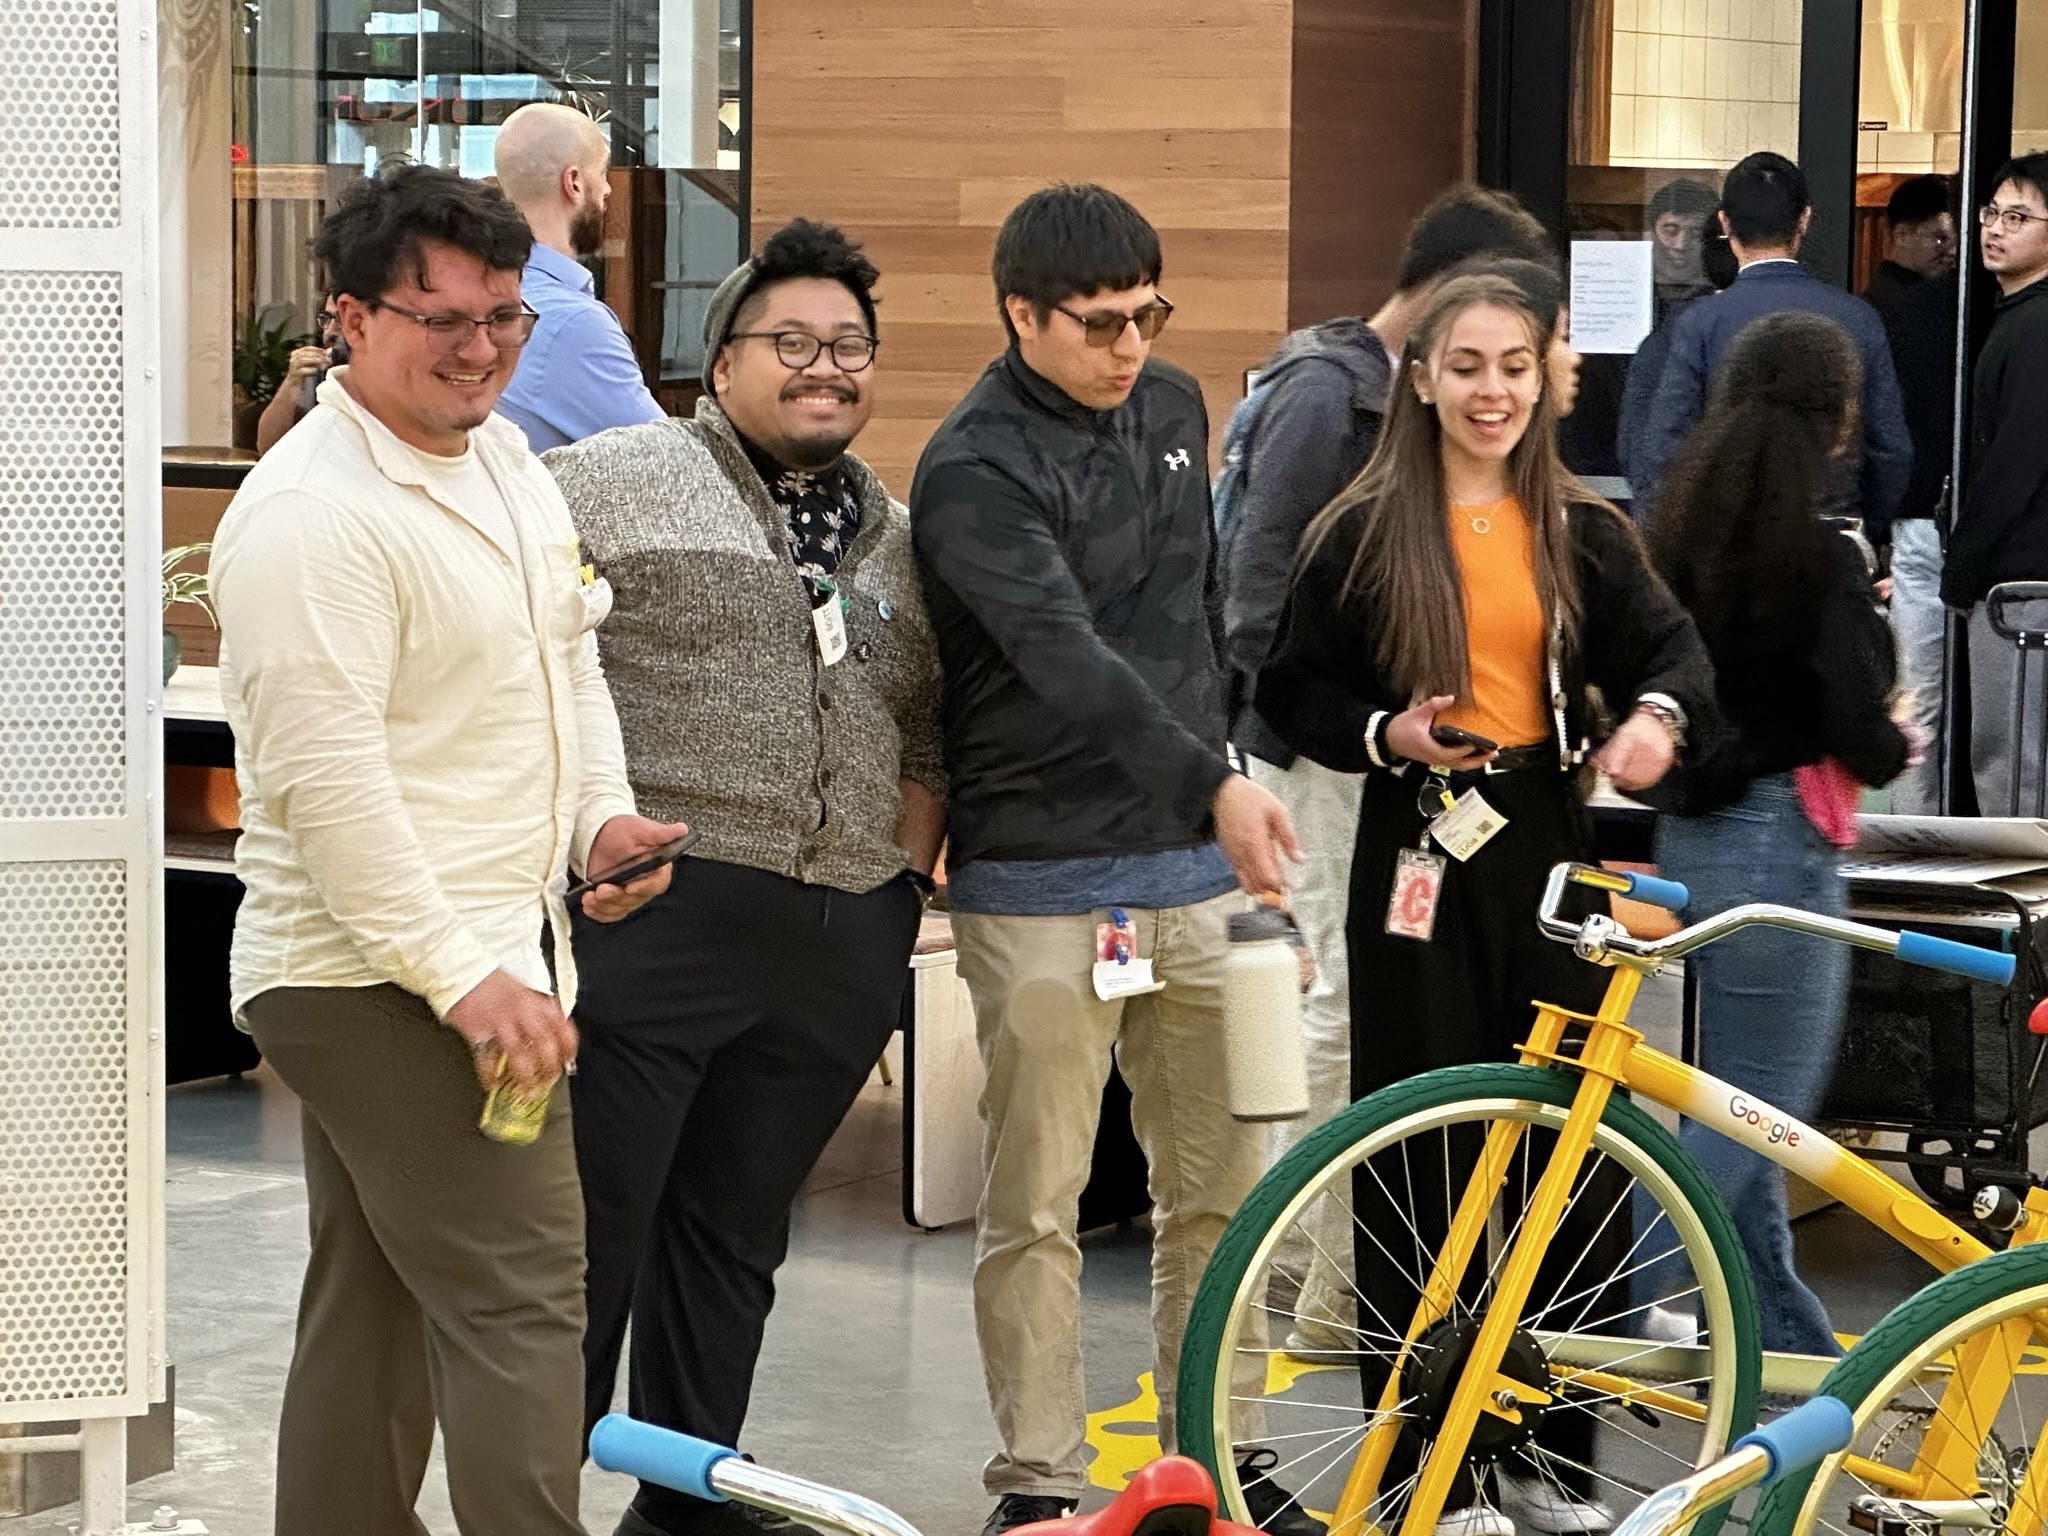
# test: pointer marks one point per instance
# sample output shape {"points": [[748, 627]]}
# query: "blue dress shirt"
{"points": [[1700, 336], [577, 374]]}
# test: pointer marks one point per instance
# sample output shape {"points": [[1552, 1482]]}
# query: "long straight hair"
{"points": [[1403, 579]]}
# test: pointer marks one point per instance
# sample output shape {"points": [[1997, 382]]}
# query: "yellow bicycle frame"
{"points": [[1614, 1055]]}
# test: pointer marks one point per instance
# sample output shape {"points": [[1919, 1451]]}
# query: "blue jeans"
{"points": [[1771, 1008]]}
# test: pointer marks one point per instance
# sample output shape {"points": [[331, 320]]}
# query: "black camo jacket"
{"points": [[1069, 570]]}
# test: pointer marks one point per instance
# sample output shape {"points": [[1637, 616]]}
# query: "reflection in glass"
{"points": [[1666, 96], [327, 90]]}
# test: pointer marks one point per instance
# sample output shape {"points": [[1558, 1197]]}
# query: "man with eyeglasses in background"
{"points": [[1920, 240], [778, 689], [2001, 533], [425, 748], [578, 375], [1062, 522]]}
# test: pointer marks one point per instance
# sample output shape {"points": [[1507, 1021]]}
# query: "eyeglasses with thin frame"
{"points": [[797, 350], [1103, 326], [508, 329], [2010, 219]]}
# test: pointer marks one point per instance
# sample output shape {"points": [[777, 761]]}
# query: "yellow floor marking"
{"points": [[1125, 1437]]}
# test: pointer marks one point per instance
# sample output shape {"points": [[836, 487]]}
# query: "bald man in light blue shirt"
{"points": [[578, 374]]}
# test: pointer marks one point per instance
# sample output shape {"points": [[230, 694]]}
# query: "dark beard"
{"points": [[586, 230]]}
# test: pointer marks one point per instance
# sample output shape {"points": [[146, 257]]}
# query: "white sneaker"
{"points": [[1478, 1520], [1548, 1507], [1668, 1325], [1318, 1343]]}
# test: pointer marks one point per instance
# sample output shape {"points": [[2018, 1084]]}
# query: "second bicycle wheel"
{"points": [[1950, 1397], [1640, 1333]]}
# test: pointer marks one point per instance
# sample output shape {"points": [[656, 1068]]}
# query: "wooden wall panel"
{"points": [[918, 124], [1382, 122]]}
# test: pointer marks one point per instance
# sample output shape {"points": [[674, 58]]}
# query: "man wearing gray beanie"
{"points": [[777, 687]]}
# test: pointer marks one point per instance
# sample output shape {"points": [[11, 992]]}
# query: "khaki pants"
{"points": [[1046, 1042], [445, 1282]]}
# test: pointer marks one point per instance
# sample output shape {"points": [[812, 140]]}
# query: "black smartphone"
{"points": [[640, 864], [1451, 736]]}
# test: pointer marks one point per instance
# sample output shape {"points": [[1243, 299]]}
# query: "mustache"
{"points": [[845, 392]]}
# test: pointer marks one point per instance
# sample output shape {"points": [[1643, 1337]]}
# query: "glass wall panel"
{"points": [[1666, 95], [327, 90]]}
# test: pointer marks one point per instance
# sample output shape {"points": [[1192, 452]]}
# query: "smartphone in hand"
{"points": [[1453, 736], [640, 864]]}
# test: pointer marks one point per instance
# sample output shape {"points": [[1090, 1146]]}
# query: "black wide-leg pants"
{"points": [[726, 1028], [1462, 997]]}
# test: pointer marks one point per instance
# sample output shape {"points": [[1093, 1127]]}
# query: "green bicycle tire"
{"points": [[1910, 1329], [1201, 1426]]}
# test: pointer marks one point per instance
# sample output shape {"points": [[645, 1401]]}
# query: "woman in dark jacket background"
{"points": [[1804, 669], [1466, 579]]}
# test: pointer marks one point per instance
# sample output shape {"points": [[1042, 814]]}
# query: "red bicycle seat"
{"points": [[1171, 1496]]}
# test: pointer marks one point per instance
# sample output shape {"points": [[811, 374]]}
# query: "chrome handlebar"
{"points": [[1604, 941]]}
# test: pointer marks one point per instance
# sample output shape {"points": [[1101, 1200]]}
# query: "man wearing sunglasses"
{"points": [[426, 748], [778, 689], [1061, 515], [2001, 533]]}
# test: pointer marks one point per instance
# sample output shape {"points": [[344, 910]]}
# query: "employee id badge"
{"points": [[828, 621], [1418, 887], [1118, 970], [1467, 826]]}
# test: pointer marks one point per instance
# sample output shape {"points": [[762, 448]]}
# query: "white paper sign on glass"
{"points": [[1611, 294]]}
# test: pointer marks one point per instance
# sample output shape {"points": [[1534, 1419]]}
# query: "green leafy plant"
{"points": [[188, 586], [263, 350]]}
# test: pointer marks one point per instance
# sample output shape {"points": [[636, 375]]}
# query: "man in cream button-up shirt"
{"points": [[426, 747]]}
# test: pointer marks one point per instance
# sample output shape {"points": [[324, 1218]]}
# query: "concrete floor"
{"points": [[869, 1379]]}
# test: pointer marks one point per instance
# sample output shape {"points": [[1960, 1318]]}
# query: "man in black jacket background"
{"points": [[1061, 520], [2002, 532], [1320, 401]]}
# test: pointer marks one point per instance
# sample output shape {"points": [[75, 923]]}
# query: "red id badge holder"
{"points": [[1418, 886]]}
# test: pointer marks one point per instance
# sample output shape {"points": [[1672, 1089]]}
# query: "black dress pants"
{"points": [[1465, 996], [726, 1028]]}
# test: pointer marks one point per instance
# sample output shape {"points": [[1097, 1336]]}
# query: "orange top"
{"points": [[1503, 623]]}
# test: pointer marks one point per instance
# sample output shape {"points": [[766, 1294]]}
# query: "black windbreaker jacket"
{"points": [[2002, 532], [1070, 572]]}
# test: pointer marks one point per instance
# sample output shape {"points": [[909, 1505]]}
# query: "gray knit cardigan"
{"points": [[730, 721]]}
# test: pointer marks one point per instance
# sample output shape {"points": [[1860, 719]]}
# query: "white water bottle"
{"points": [[1265, 1076]]}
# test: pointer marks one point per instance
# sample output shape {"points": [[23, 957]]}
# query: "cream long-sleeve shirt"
{"points": [[423, 736]]}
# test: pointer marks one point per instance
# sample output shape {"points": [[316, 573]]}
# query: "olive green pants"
{"points": [[445, 1282]]}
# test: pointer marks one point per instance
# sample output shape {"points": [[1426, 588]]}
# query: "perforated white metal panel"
{"points": [[64, 1134], [63, 727], [81, 1204], [60, 59]]}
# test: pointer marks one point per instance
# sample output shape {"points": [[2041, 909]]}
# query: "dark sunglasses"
{"points": [[1103, 326]]}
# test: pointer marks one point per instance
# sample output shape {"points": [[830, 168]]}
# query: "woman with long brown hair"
{"points": [[1450, 610]]}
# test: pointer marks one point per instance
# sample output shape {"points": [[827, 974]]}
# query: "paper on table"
{"points": [[1983, 837], [1909, 870], [1611, 294]]}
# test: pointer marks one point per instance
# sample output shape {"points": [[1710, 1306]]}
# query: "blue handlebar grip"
{"points": [[1668, 894], [1816, 1428], [1964, 959], [681, 1462]]}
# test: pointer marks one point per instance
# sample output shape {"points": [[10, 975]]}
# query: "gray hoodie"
{"points": [[1325, 395]]}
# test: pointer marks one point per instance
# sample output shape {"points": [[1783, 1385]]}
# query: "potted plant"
{"points": [[182, 586]]}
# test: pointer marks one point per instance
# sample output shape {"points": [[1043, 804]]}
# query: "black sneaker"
{"points": [[1015, 1509], [1272, 1508]]}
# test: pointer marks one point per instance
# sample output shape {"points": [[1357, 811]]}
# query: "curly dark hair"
{"points": [[379, 226], [1734, 531], [808, 248]]}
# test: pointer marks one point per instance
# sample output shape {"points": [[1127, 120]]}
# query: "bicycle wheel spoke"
{"points": [[1410, 1172]]}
